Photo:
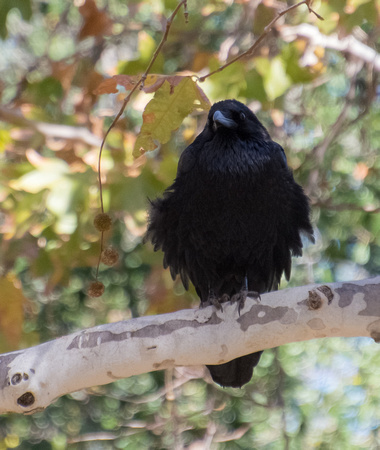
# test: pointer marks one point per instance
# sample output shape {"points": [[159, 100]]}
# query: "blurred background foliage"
{"points": [[318, 99]]}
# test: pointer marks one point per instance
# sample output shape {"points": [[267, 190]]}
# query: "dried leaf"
{"points": [[64, 73], [96, 22], [154, 82], [109, 86]]}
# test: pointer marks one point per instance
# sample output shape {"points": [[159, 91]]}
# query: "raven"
{"points": [[232, 218]]}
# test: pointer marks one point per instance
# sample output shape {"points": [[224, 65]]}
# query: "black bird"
{"points": [[232, 218]]}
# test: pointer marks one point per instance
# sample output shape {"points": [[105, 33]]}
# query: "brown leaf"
{"points": [[64, 73], [152, 83], [109, 86], [96, 23]]}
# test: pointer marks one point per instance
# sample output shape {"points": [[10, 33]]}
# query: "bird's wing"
{"points": [[187, 160], [191, 153], [280, 153]]}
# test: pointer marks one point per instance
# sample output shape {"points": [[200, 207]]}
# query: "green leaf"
{"points": [[229, 83], [45, 177], [276, 80], [146, 47], [166, 111], [255, 87], [47, 90], [362, 15], [23, 6], [291, 56]]}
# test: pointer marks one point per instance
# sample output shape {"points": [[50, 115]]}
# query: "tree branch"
{"points": [[262, 36], [52, 130], [347, 44], [31, 379], [345, 206]]}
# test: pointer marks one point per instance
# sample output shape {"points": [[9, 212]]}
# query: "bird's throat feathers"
{"points": [[229, 155]]}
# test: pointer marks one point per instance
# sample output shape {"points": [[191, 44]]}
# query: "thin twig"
{"points": [[258, 41], [100, 254], [308, 3], [125, 102], [163, 40], [186, 12], [344, 207], [140, 83]]}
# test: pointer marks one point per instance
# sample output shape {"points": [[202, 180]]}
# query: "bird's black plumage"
{"points": [[233, 213]]}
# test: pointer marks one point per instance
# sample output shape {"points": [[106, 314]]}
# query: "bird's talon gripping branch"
{"points": [[214, 301], [242, 296], [224, 298], [240, 299], [254, 295]]}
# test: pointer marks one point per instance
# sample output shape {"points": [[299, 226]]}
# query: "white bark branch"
{"points": [[50, 130], [31, 379], [348, 44]]}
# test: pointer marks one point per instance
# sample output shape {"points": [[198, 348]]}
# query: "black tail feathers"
{"points": [[235, 373]]}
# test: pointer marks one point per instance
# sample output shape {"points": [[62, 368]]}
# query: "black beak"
{"points": [[222, 121]]}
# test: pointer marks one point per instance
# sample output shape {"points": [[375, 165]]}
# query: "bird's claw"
{"points": [[241, 297], [216, 301]]}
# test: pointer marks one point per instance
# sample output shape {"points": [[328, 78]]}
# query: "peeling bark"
{"points": [[33, 378]]}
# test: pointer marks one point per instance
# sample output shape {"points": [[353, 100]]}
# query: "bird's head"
{"points": [[231, 117]]}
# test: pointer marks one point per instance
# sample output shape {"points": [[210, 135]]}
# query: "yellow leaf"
{"points": [[166, 111], [12, 303]]}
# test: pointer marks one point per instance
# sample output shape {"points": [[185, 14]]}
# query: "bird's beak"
{"points": [[222, 121]]}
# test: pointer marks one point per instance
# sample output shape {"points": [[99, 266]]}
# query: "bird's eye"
{"points": [[242, 117]]}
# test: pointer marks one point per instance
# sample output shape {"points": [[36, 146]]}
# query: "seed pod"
{"points": [[110, 256], [103, 222], [95, 289]]}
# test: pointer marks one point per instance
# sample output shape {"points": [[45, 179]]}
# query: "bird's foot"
{"points": [[215, 301], [241, 297]]}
